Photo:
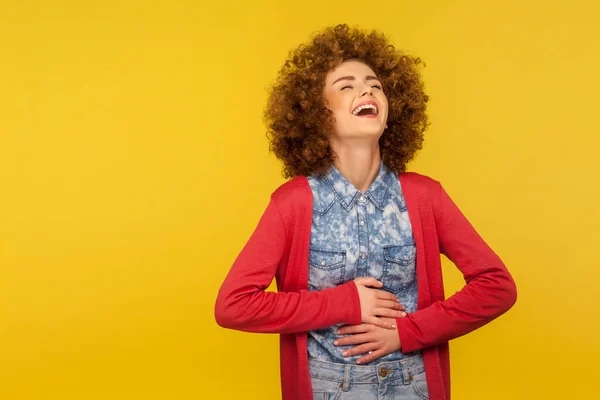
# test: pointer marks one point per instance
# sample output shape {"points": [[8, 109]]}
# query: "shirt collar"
{"points": [[348, 195]]}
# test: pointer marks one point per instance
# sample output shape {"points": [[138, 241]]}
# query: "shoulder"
{"points": [[421, 190], [297, 186], [294, 194], [419, 183]]}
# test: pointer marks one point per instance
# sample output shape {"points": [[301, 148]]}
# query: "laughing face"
{"points": [[355, 96]]}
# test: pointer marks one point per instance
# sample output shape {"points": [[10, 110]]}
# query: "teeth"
{"points": [[359, 109]]}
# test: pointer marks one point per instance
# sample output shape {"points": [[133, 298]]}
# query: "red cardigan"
{"points": [[279, 248]]}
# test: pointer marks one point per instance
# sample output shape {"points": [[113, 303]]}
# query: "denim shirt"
{"points": [[359, 235]]}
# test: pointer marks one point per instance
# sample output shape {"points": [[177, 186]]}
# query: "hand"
{"points": [[377, 303], [372, 340]]}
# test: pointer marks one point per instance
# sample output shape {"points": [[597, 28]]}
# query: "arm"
{"points": [[489, 291], [243, 303]]}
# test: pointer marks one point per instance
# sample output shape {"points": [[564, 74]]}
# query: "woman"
{"points": [[353, 240]]}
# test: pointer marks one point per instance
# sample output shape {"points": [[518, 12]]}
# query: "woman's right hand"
{"points": [[377, 303]]}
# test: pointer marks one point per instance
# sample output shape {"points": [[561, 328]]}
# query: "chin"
{"points": [[366, 134]]}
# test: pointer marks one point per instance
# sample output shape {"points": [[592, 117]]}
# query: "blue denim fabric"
{"points": [[359, 235], [394, 380]]}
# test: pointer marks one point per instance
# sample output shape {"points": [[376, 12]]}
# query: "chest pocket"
{"points": [[326, 268], [399, 271]]}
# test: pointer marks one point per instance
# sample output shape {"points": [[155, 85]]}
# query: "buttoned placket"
{"points": [[363, 235]]}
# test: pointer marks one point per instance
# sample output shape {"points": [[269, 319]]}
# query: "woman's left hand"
{"points": [[371, 340]]}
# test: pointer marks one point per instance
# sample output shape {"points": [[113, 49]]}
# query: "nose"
{"points": [[365, 89]]}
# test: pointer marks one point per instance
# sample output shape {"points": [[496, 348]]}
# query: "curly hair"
{"points": [[298, 121]]}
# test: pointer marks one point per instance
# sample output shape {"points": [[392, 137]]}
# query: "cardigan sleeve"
{"points": [[489, 291], [244, 304]]}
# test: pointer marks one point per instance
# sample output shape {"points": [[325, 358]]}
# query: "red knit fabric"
{"points": [[279, 248]]}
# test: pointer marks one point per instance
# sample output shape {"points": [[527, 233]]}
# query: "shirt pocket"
{"points": [[399, 270], [326, 268]]}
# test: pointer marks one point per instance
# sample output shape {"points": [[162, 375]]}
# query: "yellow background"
{"points": [[134, 167]]}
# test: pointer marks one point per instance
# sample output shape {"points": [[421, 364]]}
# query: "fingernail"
{"points": [[359, 362], [381, 283], [403, 314], [393, 326], [336, 342], [344, 353]]}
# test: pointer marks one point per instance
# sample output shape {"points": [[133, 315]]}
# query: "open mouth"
{"points": [[366, 110]]}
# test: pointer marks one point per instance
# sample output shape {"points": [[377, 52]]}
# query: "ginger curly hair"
{"points": [[298, 121]]}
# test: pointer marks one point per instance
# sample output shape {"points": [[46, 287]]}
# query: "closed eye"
{"points": [[346, 87], [376, 86]]}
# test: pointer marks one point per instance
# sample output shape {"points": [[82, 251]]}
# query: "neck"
{"points": [[358, 162]]}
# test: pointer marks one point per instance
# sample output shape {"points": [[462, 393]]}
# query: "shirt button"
{"points": [[362, 198], [362, 222], [323, 263], [363, 256]]}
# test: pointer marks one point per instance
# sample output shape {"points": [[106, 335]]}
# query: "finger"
{"points": [[371, 282], [362, 328], [358, 338], [382, 294], [371, 356], [390, 304], [379, 322], [360, 349], [386, 312]]}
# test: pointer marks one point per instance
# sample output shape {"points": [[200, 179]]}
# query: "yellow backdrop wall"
{"points": [[134, 166]]}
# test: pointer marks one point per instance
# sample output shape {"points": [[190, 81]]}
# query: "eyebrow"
{"points": [[352, 78]]}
